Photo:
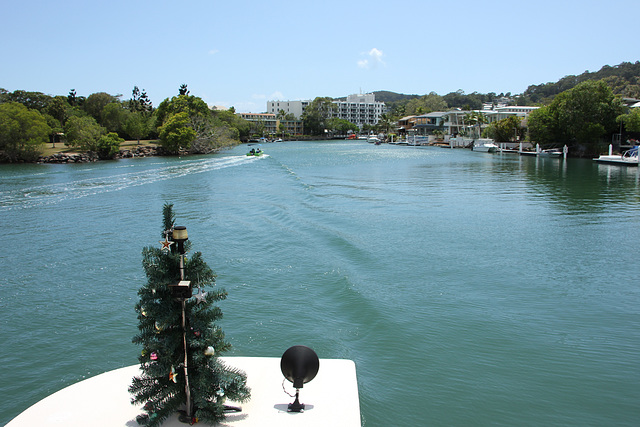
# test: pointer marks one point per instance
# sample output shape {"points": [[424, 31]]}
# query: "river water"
{"points": [[469, 288]]}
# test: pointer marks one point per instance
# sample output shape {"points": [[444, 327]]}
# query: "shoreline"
{"points": [[88, 157]]}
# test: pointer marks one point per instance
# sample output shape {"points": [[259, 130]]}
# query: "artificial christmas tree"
{"points": [[181, 343]]}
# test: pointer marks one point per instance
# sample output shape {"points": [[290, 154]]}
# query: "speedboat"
{"points": [[629, 157], [485, 145], [255, 152]]}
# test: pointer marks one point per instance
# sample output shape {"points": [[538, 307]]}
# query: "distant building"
{"points": [[406, 124], [425, 124], [358, 109], [453, 122], [266, 124], [289, 107]]}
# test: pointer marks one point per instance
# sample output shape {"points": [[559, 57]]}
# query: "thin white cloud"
{"points": [[373, 59], [277, 95], [213, 51]]}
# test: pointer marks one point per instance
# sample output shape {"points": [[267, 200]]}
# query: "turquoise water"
{"points": [[469, 288]]}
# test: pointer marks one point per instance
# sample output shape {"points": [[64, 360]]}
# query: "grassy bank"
{"points": [[61, 148]]}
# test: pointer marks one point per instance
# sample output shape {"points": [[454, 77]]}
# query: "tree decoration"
{"points": [[200, 296], [160, 387], [166, 244]]}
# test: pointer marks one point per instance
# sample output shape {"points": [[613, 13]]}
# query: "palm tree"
{"points": [[480, 120], [469, 119], [473, 119], [385, 123]]}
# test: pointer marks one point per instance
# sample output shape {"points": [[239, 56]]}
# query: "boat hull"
{"points": [[618, 160]]}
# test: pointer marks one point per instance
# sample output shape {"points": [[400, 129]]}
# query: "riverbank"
{"points": [[73, 157], [128, 149]]}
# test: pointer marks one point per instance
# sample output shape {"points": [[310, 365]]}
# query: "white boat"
{"points": [[331, 399], [374, 140], [551, 152], [629, 157], [484, 145]]}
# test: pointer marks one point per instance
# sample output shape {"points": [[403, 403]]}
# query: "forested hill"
{"points": [[390, 97], [623, 79]]}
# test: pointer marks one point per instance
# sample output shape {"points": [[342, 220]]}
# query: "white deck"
{"points": [[330, 399]]}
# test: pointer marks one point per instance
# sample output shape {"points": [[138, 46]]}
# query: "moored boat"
{"points": [[484, 145], [629, 157], [551, 152]]}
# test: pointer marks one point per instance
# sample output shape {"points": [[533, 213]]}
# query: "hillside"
{"points": [[624, 80], [391, 97]]}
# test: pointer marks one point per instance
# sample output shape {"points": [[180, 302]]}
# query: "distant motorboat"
{"points": [[629, 157], [551, 152], [374, 139], [484, 145]]}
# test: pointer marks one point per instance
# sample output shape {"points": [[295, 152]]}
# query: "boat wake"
{"points": [[21, 196]]}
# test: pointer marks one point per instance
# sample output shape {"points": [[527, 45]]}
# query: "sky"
{"points": [[243, 53]]}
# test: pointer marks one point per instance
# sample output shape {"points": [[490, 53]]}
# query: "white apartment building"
{"points": [[359, 109], [289, 107]]}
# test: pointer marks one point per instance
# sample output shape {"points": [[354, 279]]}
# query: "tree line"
{"points": [[100, 122]]}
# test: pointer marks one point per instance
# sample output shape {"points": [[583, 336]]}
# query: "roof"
{"points": [[434, 114]]}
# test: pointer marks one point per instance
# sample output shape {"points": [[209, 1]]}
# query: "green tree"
{"points": [[582, 116], [96, 102], [136, 126], [176, 134], [32, 100], [341, 126], [507, 129], [22, 132], [631, 120], [230, 118], [59, 108], [108, 145], [114, 117], [83, 133], [210, 136], [475, 120], [426, 104], [166, 334], [72, 97], [139, 101], [316, 114], [189, 104], [542, 124]]}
